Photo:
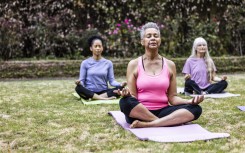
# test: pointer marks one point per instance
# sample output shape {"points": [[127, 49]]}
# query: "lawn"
{"points": [[43, 116]]}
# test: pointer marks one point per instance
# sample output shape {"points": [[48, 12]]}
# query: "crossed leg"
{"points": [[102, 97], [179, 116]]}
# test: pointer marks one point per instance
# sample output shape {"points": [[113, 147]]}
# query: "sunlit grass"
{"points": [[43, 116]]}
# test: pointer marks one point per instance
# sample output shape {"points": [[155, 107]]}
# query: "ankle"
{"points": [[204, 93]]}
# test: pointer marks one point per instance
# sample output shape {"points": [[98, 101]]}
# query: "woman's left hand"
{"points": [[196, 100], [224, 77], [123, 84], [124, 92]]}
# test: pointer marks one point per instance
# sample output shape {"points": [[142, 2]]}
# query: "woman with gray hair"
{"points": [[200, 71], [151, 100]]}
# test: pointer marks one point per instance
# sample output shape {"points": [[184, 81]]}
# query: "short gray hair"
{"points": [[146, 26]]}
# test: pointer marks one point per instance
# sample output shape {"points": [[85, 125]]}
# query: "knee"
{"points": [[124, 105], [224, 83], [78, 88], [189, 81], [127, 104], [123, 101], [196, 111]]}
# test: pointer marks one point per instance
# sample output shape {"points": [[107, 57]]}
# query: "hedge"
{"points": [[70, 68]]}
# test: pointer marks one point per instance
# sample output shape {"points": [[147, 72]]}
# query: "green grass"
{"points": [[43, 116]]}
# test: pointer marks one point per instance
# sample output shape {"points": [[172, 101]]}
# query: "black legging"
{"points": [[128, 103], [218, 87], [86, 94]]}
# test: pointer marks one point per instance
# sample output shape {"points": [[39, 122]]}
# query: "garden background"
{"points": [[38, 36], [48, 29], [47, 38]]}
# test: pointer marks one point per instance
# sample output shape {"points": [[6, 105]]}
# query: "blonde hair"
{"points": [[207, 58]]}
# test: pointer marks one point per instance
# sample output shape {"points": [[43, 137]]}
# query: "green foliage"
{"points": [[45, 28]]}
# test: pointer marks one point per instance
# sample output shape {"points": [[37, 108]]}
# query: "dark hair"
{"points": [[93, 38]]}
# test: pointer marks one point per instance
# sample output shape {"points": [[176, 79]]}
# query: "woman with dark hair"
{"points": [[95, 73]]}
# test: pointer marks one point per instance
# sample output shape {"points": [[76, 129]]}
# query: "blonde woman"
{"points": [[200, 71]]}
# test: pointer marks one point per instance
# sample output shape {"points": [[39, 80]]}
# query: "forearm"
{"points": [[114, 83], [194, 101], [175, 100]]}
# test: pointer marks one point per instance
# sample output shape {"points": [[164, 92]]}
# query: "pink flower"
{"points": [[126, 21], [118, 25], [115, 32]]}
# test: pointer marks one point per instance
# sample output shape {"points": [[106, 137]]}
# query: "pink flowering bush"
{"points": [[122, 38]]}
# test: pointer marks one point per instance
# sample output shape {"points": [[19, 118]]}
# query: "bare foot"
{"points": [[139, 124], [134, 124], [204, 93], [107, 98], [99, 97], [110, 98]]}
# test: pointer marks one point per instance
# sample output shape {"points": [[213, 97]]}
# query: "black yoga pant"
{"points": [[218, 87], [128, 103], [86, 94]]}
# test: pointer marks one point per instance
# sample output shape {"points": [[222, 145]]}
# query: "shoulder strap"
{"points": [[142, 63]]}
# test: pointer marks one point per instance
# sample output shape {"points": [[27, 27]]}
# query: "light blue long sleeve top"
{"points": [[95, 74]]}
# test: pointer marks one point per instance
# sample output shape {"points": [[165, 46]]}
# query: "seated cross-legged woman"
{"points": [[95, 73], [150, 99], [200, 71]]}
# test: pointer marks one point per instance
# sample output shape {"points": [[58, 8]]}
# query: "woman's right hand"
{"points": [[187, 76], [123, 84], [124, 92], [224, 77], [77, 82]]}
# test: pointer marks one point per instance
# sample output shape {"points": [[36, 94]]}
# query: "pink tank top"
{"points": [[152, 89]]}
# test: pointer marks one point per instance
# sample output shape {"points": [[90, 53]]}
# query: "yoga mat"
{"points": [[96, 102], [218, 95], [183, 133], [76, 95], [180, 90], [242, 108]]}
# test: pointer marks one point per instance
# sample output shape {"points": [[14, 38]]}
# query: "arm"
{"points": [[172, 90], [131, 80], [217, 79], [187, 70], [82, 74], [111, 77], [132, 74]]}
